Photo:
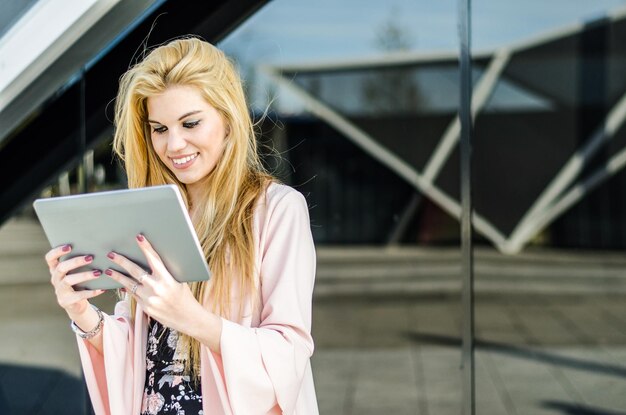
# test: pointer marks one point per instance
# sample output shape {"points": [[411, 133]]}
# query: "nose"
{"points": [[175, 141]]}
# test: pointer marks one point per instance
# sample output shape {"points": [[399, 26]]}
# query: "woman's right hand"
{"points": [[74, 302]]}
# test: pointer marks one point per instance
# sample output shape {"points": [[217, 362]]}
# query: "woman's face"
{"points": [[187, 133]]}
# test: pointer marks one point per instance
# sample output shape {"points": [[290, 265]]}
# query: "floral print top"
{"points": [[167, 391]]}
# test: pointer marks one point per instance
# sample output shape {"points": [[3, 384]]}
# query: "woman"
{"points": [[240, 343]]}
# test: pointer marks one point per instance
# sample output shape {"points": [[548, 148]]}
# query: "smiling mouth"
{"points": [[184, 160]]}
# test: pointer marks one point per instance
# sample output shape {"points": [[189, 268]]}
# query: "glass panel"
{"points": [[549, 192], [12, 11], [361, 97], [358, 104]]}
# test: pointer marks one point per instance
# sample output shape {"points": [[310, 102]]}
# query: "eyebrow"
{"points": [[181, 117]]}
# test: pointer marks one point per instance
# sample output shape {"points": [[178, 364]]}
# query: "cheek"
{"points": [[156, 144], [219, 150], [159, 148], [217, 147]]}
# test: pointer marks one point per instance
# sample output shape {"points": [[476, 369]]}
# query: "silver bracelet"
{"points": [[89, 334]]}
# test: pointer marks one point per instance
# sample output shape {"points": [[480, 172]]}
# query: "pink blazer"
{"points": [[264, 367]]}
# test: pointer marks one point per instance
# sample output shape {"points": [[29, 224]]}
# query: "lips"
{"points": [[184, 161]]}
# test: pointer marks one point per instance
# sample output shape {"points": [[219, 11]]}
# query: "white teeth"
{"points": [[184, 159]]}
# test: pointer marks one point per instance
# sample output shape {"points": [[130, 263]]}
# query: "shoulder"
{"points": [[280, 204], [281, 196], [283, 224]]}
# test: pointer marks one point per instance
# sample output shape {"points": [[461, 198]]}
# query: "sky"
{"points": [[294, 31], [303, 31]]}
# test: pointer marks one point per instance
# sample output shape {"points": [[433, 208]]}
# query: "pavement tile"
{"points": [[529, 383], [442, 374], [401, 408], [335, 325], [385, 325], [599, 390], [590, 324], [491, 392], [541, 327], [452, 406], [333, 372], [385, 377], [420, 380]]}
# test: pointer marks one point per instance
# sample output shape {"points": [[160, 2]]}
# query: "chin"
{"points": [[192, 179], [187, 180]]}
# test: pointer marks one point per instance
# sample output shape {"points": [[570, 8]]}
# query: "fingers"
{"points": [[71, 299], [73, 263], [154, 260], [126, 282], [133, 269], [81, 277], [53, 255], [86, 295], [59, 271]]}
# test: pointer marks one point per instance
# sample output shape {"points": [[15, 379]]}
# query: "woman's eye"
{"points": [[190, 124], [159, 130]]}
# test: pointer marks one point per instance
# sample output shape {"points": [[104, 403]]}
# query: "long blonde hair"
{"points": [[223, 218]]}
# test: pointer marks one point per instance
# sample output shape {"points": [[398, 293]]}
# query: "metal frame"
{"points": [[60, 62], [465, 122]]}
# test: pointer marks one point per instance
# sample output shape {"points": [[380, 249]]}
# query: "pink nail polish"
{"points": [[108, 272], [89, 258], [97, 272], [111, 255], [66, 248], [140, 238]]}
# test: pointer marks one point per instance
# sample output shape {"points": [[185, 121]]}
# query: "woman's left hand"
{"points": [[157, 292]]}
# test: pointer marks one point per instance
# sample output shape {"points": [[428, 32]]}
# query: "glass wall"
{"points": [[359, 96], [550, 194], [356, 104]]}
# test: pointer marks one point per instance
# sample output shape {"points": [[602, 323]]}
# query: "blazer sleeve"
{"points": [[109, 375], [265, 366]]}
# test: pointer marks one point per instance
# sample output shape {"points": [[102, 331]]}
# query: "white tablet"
{"points": [[98, 223]]}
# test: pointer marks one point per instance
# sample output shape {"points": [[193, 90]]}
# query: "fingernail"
{"points": [[89, 258], [108, 272], [123, 290], [66, 248], [97, 272], [111, 255], [140, 238]]}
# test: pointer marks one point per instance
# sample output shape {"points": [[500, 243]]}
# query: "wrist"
{"points": [[84, 313], [89, 323], [209, 331], [205, 326]]}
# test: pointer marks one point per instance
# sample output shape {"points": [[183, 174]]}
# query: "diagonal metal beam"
{"points": [[483, 91], [405, 219], [379, 152], [530, 223], [580, 190]]}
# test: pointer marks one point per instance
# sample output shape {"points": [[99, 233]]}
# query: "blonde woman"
{"points": [[241, 343]]}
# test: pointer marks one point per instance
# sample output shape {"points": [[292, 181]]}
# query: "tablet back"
{"points": [[98, 223]]}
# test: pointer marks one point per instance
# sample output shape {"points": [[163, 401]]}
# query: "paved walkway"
{"points": [[551, 332]]}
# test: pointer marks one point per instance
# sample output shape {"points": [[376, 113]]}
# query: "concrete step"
{"points": [[356, 270]]}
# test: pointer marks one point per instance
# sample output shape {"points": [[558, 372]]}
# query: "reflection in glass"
{"points": [[549, 178]]}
